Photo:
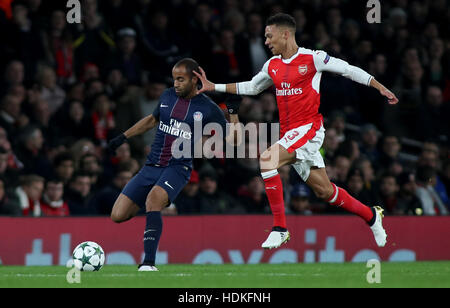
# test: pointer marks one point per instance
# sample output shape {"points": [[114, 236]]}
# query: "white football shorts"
{"points": [[306, 142]]}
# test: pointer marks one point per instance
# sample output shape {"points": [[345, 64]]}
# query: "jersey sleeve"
{"points": [[259, 82], [155, 112], [325, 63]]}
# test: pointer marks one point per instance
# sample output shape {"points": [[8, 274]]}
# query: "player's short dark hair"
{"points": [[190, 64], [282, 19]]}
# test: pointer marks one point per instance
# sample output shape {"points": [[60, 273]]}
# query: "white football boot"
{"points": [[147, 268], [276, 239], [377, 227]]}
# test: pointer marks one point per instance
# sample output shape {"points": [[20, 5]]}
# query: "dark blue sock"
{"points": [[153, 230]]}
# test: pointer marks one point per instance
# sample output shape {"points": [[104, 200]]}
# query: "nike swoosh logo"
{"points": [[271, 187], [168, 184], [164, 105]]}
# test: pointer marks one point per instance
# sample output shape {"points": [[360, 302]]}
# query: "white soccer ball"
{"points": [[88, 256]]}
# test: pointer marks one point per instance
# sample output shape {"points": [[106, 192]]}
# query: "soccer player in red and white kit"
{"points": [[296, 72]]}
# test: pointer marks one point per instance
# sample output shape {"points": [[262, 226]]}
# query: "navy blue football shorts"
{"points": [[172, 179]]}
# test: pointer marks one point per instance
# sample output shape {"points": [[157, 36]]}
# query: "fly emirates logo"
{"points": [[286, 90], [176, 128]]}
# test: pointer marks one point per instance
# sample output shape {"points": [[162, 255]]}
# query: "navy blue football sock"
{"points": [[153, 230]]}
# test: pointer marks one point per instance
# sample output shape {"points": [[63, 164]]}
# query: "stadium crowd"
{"points": [[66, 89]]}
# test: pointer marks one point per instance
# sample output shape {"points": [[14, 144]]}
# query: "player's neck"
{"points": [[291, 50], [190, 95]]}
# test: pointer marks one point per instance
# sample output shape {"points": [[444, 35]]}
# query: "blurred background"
{"points": [[66, 89]]}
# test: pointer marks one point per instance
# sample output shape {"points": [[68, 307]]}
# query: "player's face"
{"points": [[182, 82], [275, 39]]}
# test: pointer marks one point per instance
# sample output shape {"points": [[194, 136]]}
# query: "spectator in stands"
{"points": [[252, 196], [202, 34], [48, 88], [390, 157], [126, 58], [31, 152], [79, 195], [300, 200], [14, 76], [20, 36], [29, 194], [227, 66], [104, 200], [368, 173], [161, 44], [58, 44], [188, 201], [337, 121], [90, 163], [11, 117], [92, 39], [102, 119], [342, 166], [388, 192], [52, 202], [213, 200], [258, 53], [355, 186], [433, 114], [5, 171], [431, 202], [369, 142], [64, 167], [330, 144], [74, 124], [9, 204], [408, 202], [350, 149]]}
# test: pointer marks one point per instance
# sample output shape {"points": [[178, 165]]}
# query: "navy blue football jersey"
{"points": [[177, 118]]}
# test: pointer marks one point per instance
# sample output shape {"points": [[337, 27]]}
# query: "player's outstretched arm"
{"points": [[324, 62], [140, 127], [209, 86], [392, 99]]}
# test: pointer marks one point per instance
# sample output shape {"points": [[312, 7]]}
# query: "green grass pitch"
{"points": [[414, 274]]}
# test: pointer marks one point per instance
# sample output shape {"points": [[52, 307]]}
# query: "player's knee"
{"points": [[323, 192], [116, 217], [266, 162]]}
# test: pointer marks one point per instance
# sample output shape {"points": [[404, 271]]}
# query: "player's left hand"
{"points": [[392, 99], [206, 84], [116, 142]]}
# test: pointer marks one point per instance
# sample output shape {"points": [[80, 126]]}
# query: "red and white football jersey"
{"points": [[297, 83]]}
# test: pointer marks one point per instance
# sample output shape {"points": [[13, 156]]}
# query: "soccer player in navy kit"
{"points": [[163, 176]]}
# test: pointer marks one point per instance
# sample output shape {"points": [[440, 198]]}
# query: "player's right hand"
{"points": [[206, 84], [392, 99], [116, 142]]}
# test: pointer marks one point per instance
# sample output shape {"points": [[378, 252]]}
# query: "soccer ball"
{"points": [[88, 256]]}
